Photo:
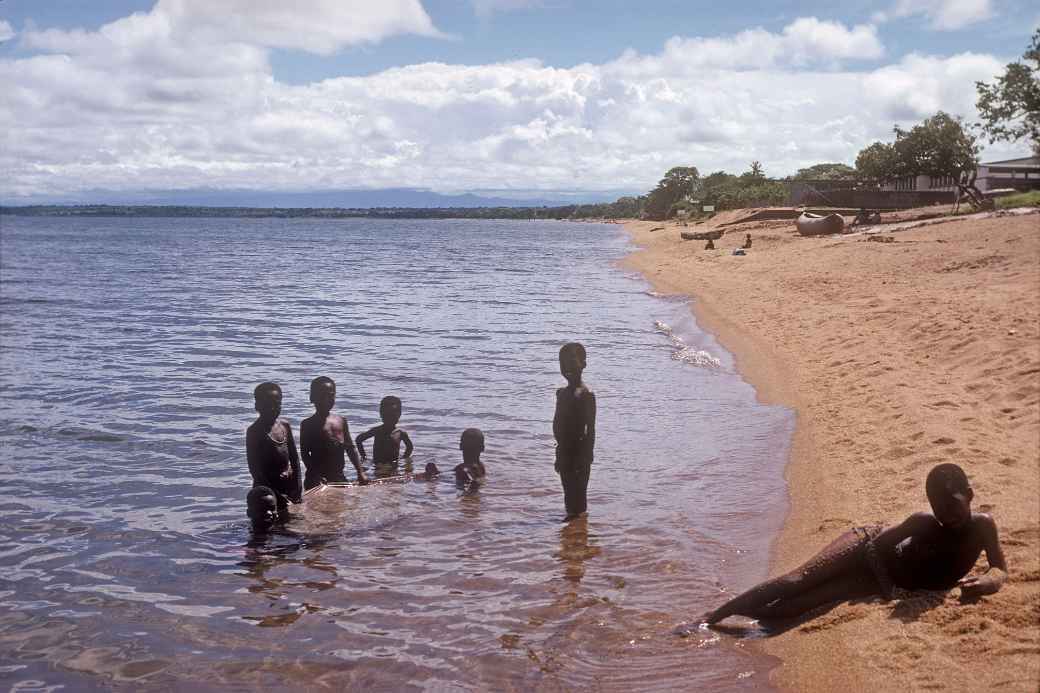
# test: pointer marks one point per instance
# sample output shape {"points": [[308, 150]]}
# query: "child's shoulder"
{"points": [[983, 521]]}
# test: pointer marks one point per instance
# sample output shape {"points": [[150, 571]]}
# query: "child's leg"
{"points": [[848, 586], [840, 557], [570, 478]]}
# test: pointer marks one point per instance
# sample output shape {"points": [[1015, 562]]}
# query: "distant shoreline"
{"points": [[563, 212]]}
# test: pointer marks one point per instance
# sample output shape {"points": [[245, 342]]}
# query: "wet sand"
{"points": [[896, 356]]}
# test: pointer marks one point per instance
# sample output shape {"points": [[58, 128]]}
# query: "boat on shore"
{"points": [[810, 224]]}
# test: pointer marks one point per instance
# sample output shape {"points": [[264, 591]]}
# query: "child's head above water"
{"points": [[472, 441], [267, 399], [949, 494], [390, 410], [262, 508], [323, 393], [572, 361]]}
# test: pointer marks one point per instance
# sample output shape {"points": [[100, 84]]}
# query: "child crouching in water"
{"points": [[471, 469], [932, 551]]}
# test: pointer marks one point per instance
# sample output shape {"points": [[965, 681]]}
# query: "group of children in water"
{"points": [[926, 551], [325, 444]]}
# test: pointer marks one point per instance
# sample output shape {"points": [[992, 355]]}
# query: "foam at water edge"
{"points": [[683, 352]]}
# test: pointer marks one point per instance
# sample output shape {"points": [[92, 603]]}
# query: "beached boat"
{"points": [[810, 224], [702, 235]]}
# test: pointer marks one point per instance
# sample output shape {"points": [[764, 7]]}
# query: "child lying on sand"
{"points": [[927, 551]]}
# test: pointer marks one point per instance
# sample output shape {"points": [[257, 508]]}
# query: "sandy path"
{"points": [[897, 356]]}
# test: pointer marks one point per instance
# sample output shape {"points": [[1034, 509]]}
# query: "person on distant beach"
{"points": [[262, 508], [574, 427], [472, 469], [271, 450], [386, 448], [710, 245], [932, 551], [325, 437], [747, 241]]}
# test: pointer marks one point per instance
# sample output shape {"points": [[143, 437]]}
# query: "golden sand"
{"points": [[896, 356]]}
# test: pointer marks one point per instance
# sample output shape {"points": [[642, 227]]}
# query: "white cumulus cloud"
{"points": [[945, 15], [7, 32], [138, 106]]}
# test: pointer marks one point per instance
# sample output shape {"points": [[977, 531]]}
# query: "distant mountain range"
{"points": [[353, 199]]}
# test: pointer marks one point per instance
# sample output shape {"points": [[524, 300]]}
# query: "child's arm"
{"points": [[360, 440], [352, 452], [253, 458], [306, 448], [588, 407], [407, 444], [993, 579], [294, 462]]}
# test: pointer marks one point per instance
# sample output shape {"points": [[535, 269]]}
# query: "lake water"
{"points": [[129, 349]]}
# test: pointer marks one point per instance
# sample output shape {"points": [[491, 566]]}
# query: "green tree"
{"points": [[938, 146], [830, 171], [678, 183], [1010, 107], [877, 162]]}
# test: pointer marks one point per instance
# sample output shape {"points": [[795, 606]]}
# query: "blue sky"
{"points": [[525, 95]]}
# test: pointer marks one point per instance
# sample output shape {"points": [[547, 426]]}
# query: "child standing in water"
{"points": [[471, 469], [325, 437], [386, 449], [932, 551], [270, 448], [574, 427]]}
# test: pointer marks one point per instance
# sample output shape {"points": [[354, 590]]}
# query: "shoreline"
{"points": [[826, 327]]}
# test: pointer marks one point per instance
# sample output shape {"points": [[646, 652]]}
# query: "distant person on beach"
{"points": [[472, 469], [747, 242], [271, 450], [262, 508], [932, 551], [325, 439], [386, 448], [574, 427], [710, 245]]}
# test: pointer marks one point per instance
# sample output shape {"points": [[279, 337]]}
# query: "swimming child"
{"points": [[932, 551], [574, 427], [262, 508], [386, 448], [471, 469], [270, 448], [325, 437]]}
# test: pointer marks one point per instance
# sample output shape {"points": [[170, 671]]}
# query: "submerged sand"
{"points": [[896, 356]]}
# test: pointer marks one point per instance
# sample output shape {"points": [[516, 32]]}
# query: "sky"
{"points": [[511, 97]]}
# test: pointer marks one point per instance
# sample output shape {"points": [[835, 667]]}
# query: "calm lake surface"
{"points": [[130, 348]]}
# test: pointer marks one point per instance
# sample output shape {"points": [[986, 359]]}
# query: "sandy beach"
{"points": [[896, 356]]}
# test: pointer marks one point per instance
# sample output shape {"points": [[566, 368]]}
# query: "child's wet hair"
{"points": [[389, 400], [263, 388], [255, 494], [577, 347], [944, 480], [472, 436], [321, 381]]}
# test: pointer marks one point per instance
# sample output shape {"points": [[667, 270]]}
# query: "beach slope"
{"points": [[896, 356]]}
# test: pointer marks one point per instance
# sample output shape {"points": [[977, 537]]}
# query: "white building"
{"points": [[1021, 174]]}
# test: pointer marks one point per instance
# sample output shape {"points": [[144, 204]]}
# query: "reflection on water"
{"points": [[575, 549], [127, 369]]}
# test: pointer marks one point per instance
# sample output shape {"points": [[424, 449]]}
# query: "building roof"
{"points": [[1024, 162]]}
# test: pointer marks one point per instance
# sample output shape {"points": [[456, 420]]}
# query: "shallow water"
{"points": [[130, 348]]}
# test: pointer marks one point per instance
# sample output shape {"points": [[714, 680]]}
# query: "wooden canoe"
{"points": [[702, 235], [809, 224]]}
